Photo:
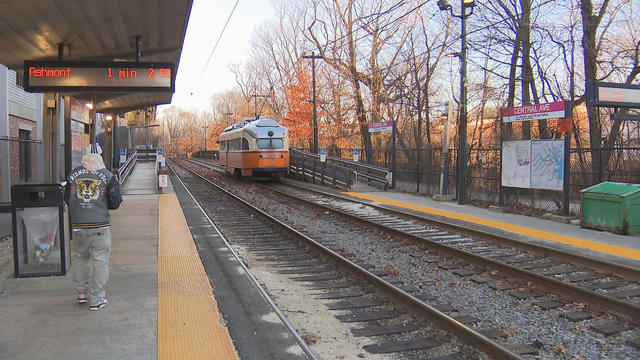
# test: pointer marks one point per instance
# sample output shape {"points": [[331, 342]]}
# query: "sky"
{"points": [[205, 25]]}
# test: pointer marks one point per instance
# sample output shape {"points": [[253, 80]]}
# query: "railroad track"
{"points": [[606, 286], [505, 264], [395, 315]]}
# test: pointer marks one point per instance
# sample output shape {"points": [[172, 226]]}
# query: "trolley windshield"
{"points": [[270, 144]]}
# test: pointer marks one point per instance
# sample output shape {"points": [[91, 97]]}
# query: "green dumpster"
{"points": [[611, 206]]}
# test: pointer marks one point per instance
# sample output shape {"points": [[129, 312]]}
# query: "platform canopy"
{"points": [[95, 30]]}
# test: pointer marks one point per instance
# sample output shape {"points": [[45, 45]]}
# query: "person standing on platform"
{"points": [[92, 191]]}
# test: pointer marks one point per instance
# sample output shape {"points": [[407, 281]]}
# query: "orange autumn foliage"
{"points": [[299, 119], [216, 129]]}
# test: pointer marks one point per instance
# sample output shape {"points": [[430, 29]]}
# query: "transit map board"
{"points": [[537, 164], [547, 164], [516, 164], [534, 112], [114, 76]]}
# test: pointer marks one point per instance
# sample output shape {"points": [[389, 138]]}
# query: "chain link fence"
{"points": [[420, 171]]}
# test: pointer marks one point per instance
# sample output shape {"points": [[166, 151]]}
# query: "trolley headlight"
{"points": [[270, 133]]}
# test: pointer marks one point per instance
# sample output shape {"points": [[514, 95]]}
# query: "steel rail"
{"points": [[575, 292], [292, 330], [491, 234], [429, 313]]}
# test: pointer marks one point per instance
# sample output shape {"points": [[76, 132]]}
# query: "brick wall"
{"points": [[14, 150]]}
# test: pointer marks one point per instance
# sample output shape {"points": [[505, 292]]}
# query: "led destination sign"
{"points": [[68, 76]]}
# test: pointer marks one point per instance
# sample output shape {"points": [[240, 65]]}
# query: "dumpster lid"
{"points": [[613, 188]]}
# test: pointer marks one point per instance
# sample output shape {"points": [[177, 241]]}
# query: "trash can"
{"points": [[611, 206], [163, 179], [41, 230]]}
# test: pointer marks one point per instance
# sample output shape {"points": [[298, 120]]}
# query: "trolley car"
{"points": [[255, 147]]}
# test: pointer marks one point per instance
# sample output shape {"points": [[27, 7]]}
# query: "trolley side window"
{"points": [[270, 143], [223, 145], [234, 144], [245, 144]]}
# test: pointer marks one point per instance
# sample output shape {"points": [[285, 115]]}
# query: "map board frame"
{"points": [[533, 164]]}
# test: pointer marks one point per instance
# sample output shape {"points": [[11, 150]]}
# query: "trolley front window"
{"points": [[270, 144]]}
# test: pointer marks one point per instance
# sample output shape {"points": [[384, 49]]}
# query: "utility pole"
{"points": [[313, 58], [462, 124]]}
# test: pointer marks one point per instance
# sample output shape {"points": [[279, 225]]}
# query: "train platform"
{"points": [[550, 231], [162, 302]]}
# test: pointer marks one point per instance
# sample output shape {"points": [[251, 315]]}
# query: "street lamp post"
{"points": [[462, 125], [313, 58]]}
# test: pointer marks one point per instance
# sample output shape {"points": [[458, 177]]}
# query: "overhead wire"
{"points": [[216, 45]]}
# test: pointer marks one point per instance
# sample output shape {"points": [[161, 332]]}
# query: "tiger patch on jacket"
{"points": [[88, 189]]}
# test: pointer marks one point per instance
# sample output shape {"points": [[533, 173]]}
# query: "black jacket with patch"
{"points": [[91, 192]]}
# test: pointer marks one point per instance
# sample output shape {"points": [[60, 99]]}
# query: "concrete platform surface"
{"points": [[41, 319], [570, 236]]}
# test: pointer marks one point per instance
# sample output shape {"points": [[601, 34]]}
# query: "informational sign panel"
{"points": [[535, 164], [613, 95], [381, 126], [159, 151], [534, 112], [123, 155], [323, 155], [547, 164], [565, 125], [516, 163], [80, 111], [115, 76], [355, 155]]}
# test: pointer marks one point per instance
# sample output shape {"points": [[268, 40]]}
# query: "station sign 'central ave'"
{"points": [[115, 76]]}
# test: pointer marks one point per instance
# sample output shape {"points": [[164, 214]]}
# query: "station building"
{"points": [[43, 132]]}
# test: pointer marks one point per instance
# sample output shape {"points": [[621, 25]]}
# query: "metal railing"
{"points": [[124, 170], [373, 175], [306, 167], [207, 154]]}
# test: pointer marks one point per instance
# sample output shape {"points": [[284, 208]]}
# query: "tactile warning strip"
{"points": [[541, 234], [188, 318]]}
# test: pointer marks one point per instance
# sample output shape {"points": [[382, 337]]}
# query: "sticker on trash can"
{"points": [[41, 225], [162, 180]]}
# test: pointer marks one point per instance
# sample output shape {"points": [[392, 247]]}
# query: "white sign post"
{"points": [[160, 157], [123, 156], [323, 155], [355, 155]]}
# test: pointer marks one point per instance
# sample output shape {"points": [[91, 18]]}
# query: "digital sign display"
{"points": [[613, 95], [116, 76]]}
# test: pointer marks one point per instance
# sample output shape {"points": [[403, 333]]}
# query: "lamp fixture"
{"points": [[443, 5]]}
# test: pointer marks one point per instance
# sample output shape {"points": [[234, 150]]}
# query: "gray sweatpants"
{"points": [[91, 249]]}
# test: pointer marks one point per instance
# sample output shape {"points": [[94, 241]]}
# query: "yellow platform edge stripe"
{"points": [[188, 317], [541, 234]]}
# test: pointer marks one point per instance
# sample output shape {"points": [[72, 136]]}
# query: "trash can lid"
{"points": [[613, 188]]}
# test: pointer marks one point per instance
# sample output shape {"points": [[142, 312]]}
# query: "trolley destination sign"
{"points": [[535, 112], [115, 76]]}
